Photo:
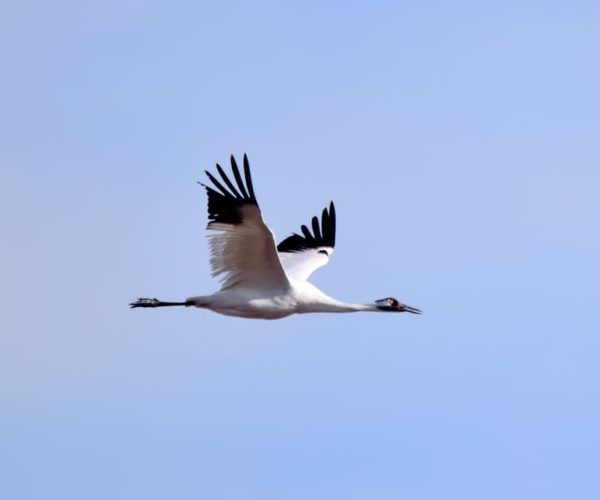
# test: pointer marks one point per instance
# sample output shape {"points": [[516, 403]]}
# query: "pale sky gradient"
{"points": [[460, 143]]}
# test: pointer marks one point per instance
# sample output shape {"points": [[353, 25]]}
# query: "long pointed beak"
{"points": [[409, 309]]}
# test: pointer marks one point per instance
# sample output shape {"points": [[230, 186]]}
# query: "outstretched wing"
{"points": [[302, 254], [242, 247]]}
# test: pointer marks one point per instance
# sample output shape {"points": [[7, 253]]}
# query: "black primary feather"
{"points": [[323, 236], [225, 203]]}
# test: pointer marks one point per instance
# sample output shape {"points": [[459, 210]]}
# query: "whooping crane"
{"points": [[259, 279]]}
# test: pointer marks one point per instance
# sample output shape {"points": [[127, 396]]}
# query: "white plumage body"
{"points": [[301, 297]]}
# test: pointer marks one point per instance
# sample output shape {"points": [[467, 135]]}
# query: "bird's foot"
{"points": [[145, 302]]}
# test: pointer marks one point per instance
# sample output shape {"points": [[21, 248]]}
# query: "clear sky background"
{"points": [[459, 141]]}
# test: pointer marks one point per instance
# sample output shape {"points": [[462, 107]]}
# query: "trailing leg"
{"points": [[144, 302]]}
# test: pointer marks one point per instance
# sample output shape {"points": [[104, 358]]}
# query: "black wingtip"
{"points": [[315, 227], [248, 177], [238, 178], [226, 199], [322, 235], [228, 182], [332, 223]]}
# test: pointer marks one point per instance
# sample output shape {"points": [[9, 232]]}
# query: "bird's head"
{"points": [[392, 305]]}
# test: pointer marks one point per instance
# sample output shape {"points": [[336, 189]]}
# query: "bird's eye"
{"points": [[392, 302]]}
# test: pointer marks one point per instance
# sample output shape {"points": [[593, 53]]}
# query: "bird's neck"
{"points": [[311, 299], [329, 304], [335, 306]]}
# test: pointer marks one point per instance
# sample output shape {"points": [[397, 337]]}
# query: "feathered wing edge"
{"points": [[322, 236], [301, 255], [242, 247], [225, 203]]}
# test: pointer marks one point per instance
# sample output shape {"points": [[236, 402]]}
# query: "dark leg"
{"points": [[156, 303]]}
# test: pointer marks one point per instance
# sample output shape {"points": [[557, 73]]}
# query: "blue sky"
{"points": [[459, 141]]}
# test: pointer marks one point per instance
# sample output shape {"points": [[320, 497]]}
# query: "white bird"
{"points": [[258, 278]]}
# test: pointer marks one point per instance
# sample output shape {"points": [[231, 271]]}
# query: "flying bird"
{"points": [[258, 278]]}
